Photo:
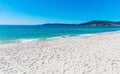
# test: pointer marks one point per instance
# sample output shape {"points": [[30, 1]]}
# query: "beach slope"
{"points": [[97, 54]]}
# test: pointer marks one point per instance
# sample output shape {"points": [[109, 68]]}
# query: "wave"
{"points": [[26, 40], [20, 41], [34, 39], [58, 37]]}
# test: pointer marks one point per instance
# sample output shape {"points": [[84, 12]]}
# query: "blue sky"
{"points": [[57, 11]]}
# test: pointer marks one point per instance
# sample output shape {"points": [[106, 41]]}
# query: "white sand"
{"points": [[98, 54]]}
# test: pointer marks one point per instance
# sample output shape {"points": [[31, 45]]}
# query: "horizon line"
{"points": [[59, 23]]}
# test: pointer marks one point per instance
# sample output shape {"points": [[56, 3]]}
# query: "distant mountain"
{"points": [[90, 23], [100, 23]]}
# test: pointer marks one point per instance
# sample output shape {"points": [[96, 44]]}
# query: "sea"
{"points": [[28, 33]]}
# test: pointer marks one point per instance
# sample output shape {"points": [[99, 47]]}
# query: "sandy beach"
{"points": [[97, 54]]}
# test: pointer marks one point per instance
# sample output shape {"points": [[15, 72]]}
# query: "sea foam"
{"points": [[26, 40]]}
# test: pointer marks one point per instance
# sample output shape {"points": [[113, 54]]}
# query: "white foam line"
{"points": [[26, 40]]}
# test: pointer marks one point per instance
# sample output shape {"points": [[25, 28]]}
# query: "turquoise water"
{"points": [[14, 32]]}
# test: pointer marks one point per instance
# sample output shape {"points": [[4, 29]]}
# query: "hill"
{"points": [[90, 23], [100, 23]]}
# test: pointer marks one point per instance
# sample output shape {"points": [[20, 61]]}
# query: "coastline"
{"points": [[32, 40], [92, 54]]}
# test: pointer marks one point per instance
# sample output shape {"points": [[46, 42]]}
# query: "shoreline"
{"points": [[54, 38]]}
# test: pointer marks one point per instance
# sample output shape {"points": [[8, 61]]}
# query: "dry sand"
{"points": [[97, 54]]}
